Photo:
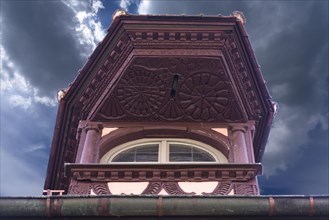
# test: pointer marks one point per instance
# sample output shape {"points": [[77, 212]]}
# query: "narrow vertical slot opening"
{"points": [[174, 86]]}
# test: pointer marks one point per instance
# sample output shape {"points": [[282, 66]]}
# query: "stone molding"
{"points": [[162, 172]]}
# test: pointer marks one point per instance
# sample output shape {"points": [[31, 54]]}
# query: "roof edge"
{"points": [[303, 207]]}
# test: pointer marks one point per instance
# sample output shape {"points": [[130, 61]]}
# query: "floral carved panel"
{"points": [[184, 89]]}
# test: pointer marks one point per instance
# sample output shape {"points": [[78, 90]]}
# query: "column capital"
{"points": [[90, 125], [93, 126], [238, 127]]}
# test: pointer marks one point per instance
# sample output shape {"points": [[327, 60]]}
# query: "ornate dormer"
{"points": [[164, 105]]}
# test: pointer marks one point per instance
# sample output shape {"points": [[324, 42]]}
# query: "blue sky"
{"points": [[45, 43]]}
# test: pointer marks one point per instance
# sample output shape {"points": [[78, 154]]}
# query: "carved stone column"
{"points": [[239, 145], [90, 151]]}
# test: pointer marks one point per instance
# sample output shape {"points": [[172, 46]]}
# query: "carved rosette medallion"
{"points": [[180, 89], [204, 96], [141, 92]]}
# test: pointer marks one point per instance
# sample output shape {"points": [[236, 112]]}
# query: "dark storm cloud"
{"points": [[298, 55], [39, 37], [310, 171], [25, 141], [43, 45]]}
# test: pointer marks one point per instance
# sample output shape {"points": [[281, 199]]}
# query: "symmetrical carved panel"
{"points": [[173, 89], [87, 177], [172, 188]]}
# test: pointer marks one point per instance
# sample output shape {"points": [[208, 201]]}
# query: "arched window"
{"points": [[164, 151]]}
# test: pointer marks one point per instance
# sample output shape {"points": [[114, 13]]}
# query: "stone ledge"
{"points": [[162, 172]]}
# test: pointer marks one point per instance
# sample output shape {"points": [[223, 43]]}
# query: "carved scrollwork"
{"points": [[172, 188], [78, 188], [245, 189], [222, 188], [101, 189], [153, 188]]}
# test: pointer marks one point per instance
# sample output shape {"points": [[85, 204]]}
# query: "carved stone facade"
{"points": [[153, 77], [162, 172], [171, 188], [95, 177]]}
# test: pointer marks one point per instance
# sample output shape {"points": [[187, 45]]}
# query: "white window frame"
{"points": [[163, 156]]}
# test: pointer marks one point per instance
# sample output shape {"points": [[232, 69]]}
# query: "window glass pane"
{"points": [[147, 157], [184, 153], [180, 157], [180, 153], [148, 148], [145, 153], [124, 157], [148, 153], [201, 155], [179, 148]]}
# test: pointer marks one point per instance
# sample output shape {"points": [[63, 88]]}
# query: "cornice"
{"points": [[162, 172]]}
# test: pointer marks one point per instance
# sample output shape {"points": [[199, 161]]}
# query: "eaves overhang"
{"points": [[137, 39]]}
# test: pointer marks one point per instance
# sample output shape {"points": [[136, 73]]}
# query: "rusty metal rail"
{"points": [[302, 207]]}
